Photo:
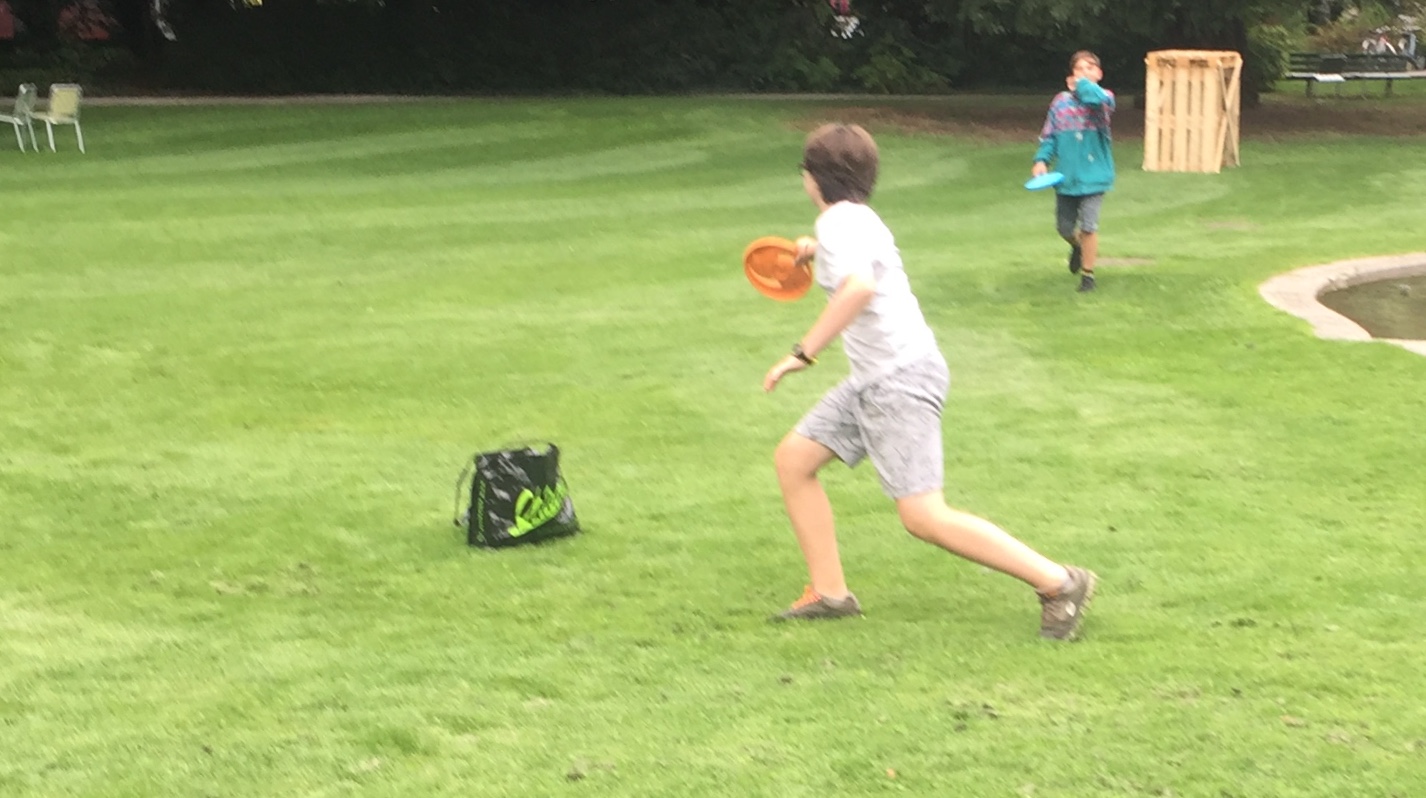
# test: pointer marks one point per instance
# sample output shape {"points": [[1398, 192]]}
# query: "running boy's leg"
{"points": [[1089, 238], [1089, 250], [1064, 591], [828, 431], [929, 518], [1088, 218], [798, 459], [900, 418], [1066, 224], [1067, 217]]}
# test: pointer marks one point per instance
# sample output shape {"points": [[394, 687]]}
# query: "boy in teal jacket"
{"points": [[1077, 141]]}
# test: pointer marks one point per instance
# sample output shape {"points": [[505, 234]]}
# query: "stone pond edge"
{"points": [[1296, 292]]}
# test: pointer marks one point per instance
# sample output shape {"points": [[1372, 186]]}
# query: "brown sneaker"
{"points": [[1062, 613], [812, 606]]}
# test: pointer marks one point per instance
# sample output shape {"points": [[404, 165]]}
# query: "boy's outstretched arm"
{"points": [[852, 297]]}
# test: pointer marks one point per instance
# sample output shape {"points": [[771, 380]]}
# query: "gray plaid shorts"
{"points": [[896, 421], [1082, 212]]}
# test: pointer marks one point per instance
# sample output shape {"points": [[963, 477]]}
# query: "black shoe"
{"points": [[1086, 282], [1076, 259]]}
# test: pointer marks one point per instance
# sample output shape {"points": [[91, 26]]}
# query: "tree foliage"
{"points": [[1122, 31], [674, 45]]}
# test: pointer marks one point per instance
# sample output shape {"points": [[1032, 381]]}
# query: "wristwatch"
{"points": [[800, 354]]}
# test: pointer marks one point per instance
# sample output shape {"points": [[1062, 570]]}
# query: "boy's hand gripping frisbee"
{"points": [[1044, 181], [771, 265]]}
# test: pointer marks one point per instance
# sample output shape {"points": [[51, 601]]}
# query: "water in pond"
{"points": [[1384, 308]]}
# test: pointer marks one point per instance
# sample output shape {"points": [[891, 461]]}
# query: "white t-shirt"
{"points": [[890, 332]]}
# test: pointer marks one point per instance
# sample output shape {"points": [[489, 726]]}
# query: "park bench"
{"points": [[1338, 68]]}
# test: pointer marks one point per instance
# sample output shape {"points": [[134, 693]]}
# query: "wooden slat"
{"points": [[1180, 118], [1210, 147], [1153, 96], [1233, 113]]}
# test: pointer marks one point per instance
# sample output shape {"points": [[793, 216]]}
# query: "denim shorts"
{"points": [[896, 421], [1081, 211]]}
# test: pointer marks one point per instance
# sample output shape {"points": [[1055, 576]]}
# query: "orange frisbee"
{"points": [[769, 263]]}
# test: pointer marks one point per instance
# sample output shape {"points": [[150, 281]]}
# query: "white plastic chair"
{"points": [[63, 110], [24, 115]]}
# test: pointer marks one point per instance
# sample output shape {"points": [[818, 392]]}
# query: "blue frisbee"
{"points": [[1044, 181]]}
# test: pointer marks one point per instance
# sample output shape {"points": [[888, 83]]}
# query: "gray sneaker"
{"points": [[1062, 613], [813, 606]]}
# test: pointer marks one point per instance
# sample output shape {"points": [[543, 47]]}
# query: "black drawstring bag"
{"points": [[516, 496]]}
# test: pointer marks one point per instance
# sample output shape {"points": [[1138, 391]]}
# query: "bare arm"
{"points": [[851, 298]]}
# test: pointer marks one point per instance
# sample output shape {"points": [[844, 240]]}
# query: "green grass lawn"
{"points": [[244, 352]]}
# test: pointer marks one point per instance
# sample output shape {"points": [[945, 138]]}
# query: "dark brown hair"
{"points": [[1083, 55], [843, 160]]}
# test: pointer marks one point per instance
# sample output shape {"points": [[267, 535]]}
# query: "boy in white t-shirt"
{"points": [[889, 409]]}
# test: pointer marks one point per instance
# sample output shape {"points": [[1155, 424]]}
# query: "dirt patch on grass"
{"points": [[994, 118], [1001, 121]]}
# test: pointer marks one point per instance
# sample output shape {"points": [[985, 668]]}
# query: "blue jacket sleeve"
{"points": [[1089, 93]]}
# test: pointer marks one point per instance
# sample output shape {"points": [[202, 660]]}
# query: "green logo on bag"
{"points": [[532, 509]]}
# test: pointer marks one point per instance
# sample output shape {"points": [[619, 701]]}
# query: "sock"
{"points": [[1065, 585]]}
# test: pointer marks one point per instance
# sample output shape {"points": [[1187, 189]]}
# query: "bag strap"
{"points": [[555, 475], [460, 480]]}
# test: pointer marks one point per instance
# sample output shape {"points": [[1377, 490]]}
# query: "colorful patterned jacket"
{"points": [[1076, 140]]}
